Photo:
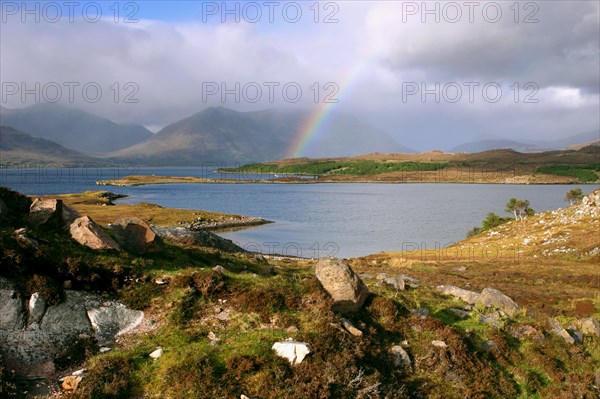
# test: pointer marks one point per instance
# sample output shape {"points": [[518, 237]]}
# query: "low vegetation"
{"points": [[583, 173], [331, 168], [217, 328]]}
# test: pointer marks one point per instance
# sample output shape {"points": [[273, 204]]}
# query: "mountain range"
{"points": [[73, 128], [213, 135]]}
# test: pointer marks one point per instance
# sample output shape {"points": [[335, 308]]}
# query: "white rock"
{"points": [[78, 372], [439, 344], [37, 308], [105, 349], [157, 353], [293, 351]]}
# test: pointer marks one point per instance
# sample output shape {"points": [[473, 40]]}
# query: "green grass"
{"points": [[329, 168], [584, 173]]}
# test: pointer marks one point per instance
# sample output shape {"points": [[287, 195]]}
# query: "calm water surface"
{"points": [[314, 220]]}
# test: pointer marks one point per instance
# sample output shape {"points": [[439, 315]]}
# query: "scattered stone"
{"points": [[71, 382], [351, 328], [37, 308], [382, 276], [493, 319], [86, 232], [460, 269], [439, 344], [160, 281], [400, 356], [293, 351], [396, 283], [420, 312], [493, 298], [557, 329], [219, 269], [242, 396], [113, 319], [365, 276], [345, 287], [590, 326], [411, 282], [105, 349], [78, 372], [67, 284], [577, 336], [460, 313], [157, 353], [24, 240], [522, 332], [404, 344], [489, 346], [464, 295], [133, 234]]}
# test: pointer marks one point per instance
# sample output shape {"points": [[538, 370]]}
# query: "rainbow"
{"points": [[318, 118]]}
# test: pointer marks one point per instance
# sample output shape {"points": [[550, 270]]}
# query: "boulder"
{"points": [[411, 282], [348, 291], [399, 356], [590, 326], [219, 269], [492, 298], [396, 283], [558, 330], [37, 308], [133, 234], [113, 319], [24, 240], [46, 212], [293, 351], [12, 312], [86, 232], [464, 295], [202, 238]]}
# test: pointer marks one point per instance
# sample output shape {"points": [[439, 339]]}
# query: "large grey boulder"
{"points": [[12, 312], [396, 282], [201, 238], [492, 298], [113, 319], [86, 232], [46, 211], [558, 330], [348, 291], [133, 234], [464, 295]]}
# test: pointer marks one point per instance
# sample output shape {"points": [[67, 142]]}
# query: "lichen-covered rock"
{"points": [[558, 330], [590, 326], [46, 211], [348, 291], [399, 356], [86, 232], [395, 282], [493, 298], [464, 295]]}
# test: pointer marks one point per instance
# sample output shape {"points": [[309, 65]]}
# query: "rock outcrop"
{"points": [[30, 349], [464, 295], [86, 232], [489, 297], [133, 234], [202, 238], [345, 287]]}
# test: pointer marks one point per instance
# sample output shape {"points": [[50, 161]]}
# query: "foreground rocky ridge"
{"points": [[222, 325]]}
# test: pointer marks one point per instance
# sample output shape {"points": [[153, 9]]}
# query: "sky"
{"points": [[432, 74]]}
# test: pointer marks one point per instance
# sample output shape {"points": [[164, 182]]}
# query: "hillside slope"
{"points": [[73, 128]]}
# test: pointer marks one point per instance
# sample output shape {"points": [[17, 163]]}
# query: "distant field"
{"points": [[585, 173], [329, 168]]}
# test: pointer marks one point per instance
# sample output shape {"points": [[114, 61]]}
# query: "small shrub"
{"points": [[138, 296], [208, 283]]}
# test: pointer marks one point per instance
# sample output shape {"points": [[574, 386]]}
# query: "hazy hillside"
{"points": [[19, 147], [219, 134], [575, 141], [493, 144], [73, 128]]}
